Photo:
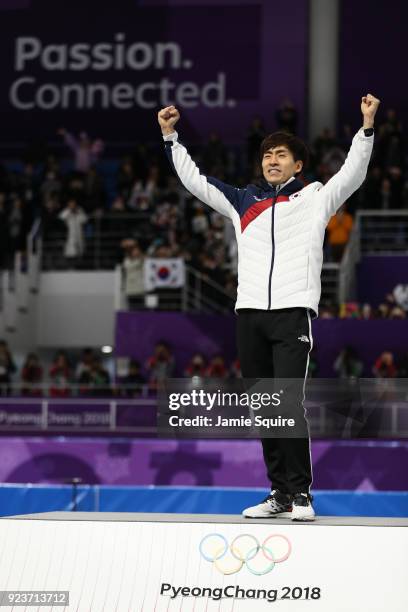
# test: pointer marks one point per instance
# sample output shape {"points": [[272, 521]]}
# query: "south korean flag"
{"points": [[164, 273]]}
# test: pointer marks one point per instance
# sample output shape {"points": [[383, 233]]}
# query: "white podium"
{"points": [[119, 562]]}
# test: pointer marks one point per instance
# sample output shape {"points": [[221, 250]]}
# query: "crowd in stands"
{"points": [[348, 364], [394, 306], [149, 213], [88, 377]]}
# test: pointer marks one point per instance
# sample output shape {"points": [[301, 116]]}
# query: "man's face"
{"points": [[278, 165]]}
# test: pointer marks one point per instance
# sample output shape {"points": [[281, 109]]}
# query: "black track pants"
{"points": [[270, 346]]}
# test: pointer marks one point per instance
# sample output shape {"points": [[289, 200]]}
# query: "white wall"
{"points": [[75, 309]]}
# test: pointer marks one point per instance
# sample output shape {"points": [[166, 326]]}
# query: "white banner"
{"points": [[129, 565]]}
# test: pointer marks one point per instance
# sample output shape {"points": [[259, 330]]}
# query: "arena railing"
{"points": [[198, 294], [133, 410], [375, 232], [383, 232]]}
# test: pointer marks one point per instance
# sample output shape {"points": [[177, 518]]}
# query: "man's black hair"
{"points": [[294, 144]]}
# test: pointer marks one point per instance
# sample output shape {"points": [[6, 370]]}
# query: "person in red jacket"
{"points": [[60, 374], [384, 366], [32, 376]]}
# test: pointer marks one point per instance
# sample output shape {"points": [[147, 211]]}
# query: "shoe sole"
{"points": [[280, 515], [308, 519]]}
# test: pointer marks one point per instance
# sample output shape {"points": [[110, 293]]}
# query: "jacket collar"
{"points": [[291, 186]]}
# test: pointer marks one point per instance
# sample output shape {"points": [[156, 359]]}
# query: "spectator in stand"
{"points": [[367, 312], [52, 226], [75, 189], [86, 152], [397, 185], [214, 154], [75, 219], [26, 187], [153, 180], [400, 294], [346, 137], [7, 368], [196, 367], [94, 192], [216, 368], [60, 375], [125, 179], [349, 310], [384, 366], [19, 224], [199, 223], [324, 142], [51, 186], [287, 117], [215, 276], [140, 199], [390, 141], [389, 198], [255, 136], [166, 217], [133, 382], [347, 364], [85, 363], [143, 194], [160, 365], [371, 189], [339, 229], [383, 311], [118, 221], [32, 376], [133, 267], [328, 311], [397, 312], [333, 160], [95, 382], [235, 369]]}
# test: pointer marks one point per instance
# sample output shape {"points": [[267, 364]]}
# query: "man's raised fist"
{"points": [[369, 106], [168, 118]]}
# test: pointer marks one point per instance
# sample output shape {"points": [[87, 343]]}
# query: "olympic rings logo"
{"points": [[245, 549]]}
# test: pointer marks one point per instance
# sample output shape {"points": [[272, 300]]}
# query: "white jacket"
{"points": [[75, 241], [280, 238]]}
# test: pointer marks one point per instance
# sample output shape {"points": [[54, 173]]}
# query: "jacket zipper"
{"points": [[273, 250]]}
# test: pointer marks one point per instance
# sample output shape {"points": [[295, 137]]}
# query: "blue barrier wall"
{"points": [[21, 499]]}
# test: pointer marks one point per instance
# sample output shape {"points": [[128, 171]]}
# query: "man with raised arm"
{"points": [[279, 226]]}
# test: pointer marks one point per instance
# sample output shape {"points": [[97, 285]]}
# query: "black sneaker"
{"points": [[276, 504], [302, 509]]}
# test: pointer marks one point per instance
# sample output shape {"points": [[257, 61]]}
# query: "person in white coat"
{"points": [[75, 219]]}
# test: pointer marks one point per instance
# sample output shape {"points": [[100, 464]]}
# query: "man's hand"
{"points": [[168, 118], [369, 106]]}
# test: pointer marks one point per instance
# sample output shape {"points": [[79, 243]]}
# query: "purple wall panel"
{"points": [[378, 275], [263, 62], [372, 56], [351, 465]]}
